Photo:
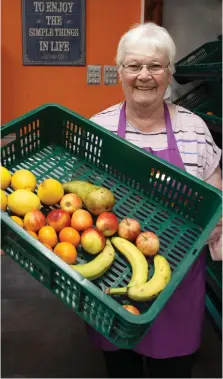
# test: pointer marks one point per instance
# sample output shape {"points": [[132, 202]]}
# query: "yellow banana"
{"points": [[98, 266], [137, 261], [150, 289]]}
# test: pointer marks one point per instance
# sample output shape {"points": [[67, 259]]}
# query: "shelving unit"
{"points": [[205, 100]]}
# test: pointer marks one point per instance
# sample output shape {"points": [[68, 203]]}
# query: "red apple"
{"points": [[34, 220], [107, 223], [93, 240], [148, 243], [129, 229], [70, 203], [58, 219]]}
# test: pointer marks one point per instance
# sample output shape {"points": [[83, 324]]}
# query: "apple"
{"points": [[129, 228], [107, 223], [70, 203], [148, 243], [58, 219], [93, 240], [34, 220], [81, 220]]}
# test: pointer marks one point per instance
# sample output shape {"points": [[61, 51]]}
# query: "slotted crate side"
{"points": [[202, 99], [70, 290], [206, 57], [28, 134], [204, 63]]}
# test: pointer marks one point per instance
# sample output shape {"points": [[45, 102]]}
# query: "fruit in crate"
{"points": [[81, 220], [66, 251], [23, 201], [137, 261], [33, 234], [99, 265], [48, 246], [131, 309], [5, 177], [18, 220], [148, 243], [58, 219], [107, 223], [23, 179], [95, 198], [71, 235], [4, 201], [159, 280], [71, 203], [34, 220], [47, 235], [129, 228], [50, 191], [93, 241]]}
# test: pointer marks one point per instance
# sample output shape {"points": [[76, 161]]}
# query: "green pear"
{"points": [[95, 198]]}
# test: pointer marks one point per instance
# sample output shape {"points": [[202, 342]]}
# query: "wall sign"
{"points": [[53, 32]]}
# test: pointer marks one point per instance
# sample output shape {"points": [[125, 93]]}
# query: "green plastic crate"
{"points": [[53, 141], [204, 63], [202, 99]]}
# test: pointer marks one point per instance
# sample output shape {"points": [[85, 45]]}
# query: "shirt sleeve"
{"points": [[210, 153]]}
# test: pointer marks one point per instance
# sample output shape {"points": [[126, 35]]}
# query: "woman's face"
{"points": [[144, 88]]}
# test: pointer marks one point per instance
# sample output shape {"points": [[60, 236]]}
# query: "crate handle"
{"points": [[6, 140]]}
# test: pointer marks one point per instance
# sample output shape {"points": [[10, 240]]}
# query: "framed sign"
{"points": [[53, 32]]}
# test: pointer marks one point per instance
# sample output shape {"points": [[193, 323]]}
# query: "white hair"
{"points": [[145, 39]]}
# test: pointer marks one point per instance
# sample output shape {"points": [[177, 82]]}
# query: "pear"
{"points": [[95, 198]]}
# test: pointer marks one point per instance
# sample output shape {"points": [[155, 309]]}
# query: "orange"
{"points": [[48, 246], [71, 235], [66, 251], [131, 309], [33, 234], [81, 220], [18, 220], [48, 235]]}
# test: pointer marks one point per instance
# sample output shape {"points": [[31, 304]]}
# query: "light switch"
{"points": [[94, 74], [110, 75]]}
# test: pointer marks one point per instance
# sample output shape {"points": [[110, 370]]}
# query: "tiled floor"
{"points": [[42, 338]]}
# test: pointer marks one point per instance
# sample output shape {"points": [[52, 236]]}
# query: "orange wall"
{"points": [[26, 87]]}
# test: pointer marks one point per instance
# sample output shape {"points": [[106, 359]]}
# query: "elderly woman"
{"points": [[145, 60]]}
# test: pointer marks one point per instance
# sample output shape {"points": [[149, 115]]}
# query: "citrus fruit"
{"points": [[48, 235], [131, 309], [18, 220], [5, 177], [81, 220], [4, 201], [23, 179], [71, 235], [66, 251], [50, 191], [33, 234], [48, 246], [23, 201]]}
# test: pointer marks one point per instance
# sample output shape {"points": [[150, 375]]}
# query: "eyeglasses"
{"points": [[153, 68]]}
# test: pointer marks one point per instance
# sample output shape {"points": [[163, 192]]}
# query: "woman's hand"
{"points": [[215, 239]]}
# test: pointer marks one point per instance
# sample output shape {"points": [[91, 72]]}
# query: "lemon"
{"points": [[50, 191], [5, 177], [18, 220], [23, 179], [4, 201], [23, 201]]}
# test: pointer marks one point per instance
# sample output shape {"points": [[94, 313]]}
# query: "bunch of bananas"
{"points": [[139, 287]]}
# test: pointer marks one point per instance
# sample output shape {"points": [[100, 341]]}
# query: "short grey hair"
{"points": [[144, 39]]}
